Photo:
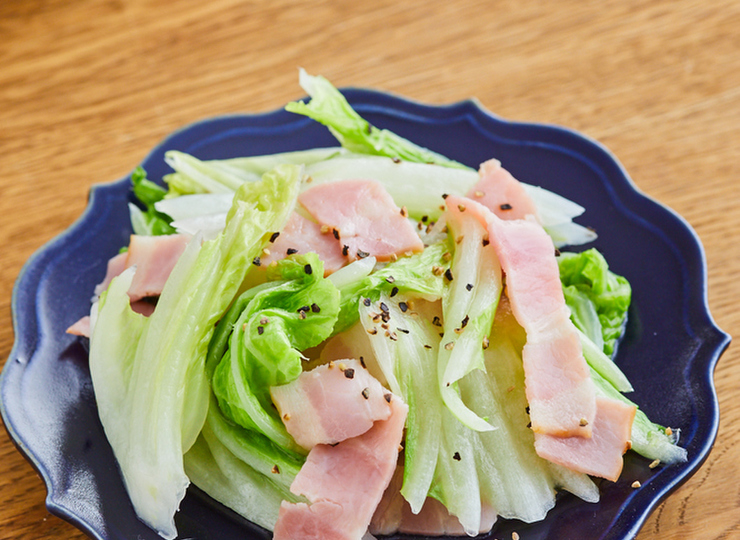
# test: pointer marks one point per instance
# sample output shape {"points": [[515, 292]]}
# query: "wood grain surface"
{"points": [[87, 87]]}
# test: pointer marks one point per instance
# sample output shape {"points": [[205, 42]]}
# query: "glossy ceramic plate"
{"points": [[669, 351]]}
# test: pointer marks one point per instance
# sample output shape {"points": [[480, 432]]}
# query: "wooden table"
{"points": [[88, 87]]}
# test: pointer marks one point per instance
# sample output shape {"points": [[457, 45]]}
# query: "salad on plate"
{"points": [[361, 340]]}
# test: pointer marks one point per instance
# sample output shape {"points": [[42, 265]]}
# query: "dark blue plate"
{"points": [[669, 351]]}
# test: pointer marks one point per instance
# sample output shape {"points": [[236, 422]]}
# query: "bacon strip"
{"points": [[365, 217], [154, 258], [301, 235], [559, 388], [331, 403], [572, 426], [343, 483], [501, 193], [601, 455]]}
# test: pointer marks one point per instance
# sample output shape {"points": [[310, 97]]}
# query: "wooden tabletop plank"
{"points": [[88, 87]]}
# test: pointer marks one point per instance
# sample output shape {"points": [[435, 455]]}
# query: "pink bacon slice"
{"points": [[365, 218]]}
